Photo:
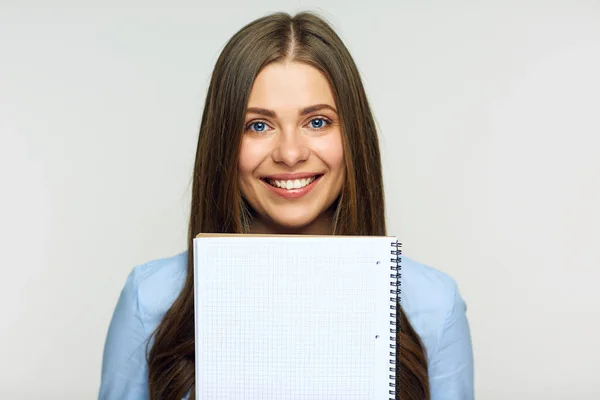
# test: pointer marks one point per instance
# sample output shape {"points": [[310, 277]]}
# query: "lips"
{"points": [[294, 176], [295, 186], [291, 184]]}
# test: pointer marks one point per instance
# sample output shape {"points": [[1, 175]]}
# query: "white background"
{"points": [[489, 121]]}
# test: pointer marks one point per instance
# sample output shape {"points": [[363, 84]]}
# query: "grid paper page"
{"points": [[292, 318]]}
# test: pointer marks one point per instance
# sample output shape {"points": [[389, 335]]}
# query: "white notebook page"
{"points": [[293, 318]]}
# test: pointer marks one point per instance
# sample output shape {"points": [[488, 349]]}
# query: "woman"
{"points": [[285, 109]]}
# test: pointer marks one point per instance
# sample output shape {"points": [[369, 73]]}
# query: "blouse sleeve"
{"points": [[451, 365], [124, 366]]}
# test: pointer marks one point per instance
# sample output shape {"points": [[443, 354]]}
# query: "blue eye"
{"points": [[258, 126], [317, 123]]}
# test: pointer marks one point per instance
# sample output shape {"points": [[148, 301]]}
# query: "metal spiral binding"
{"points": [[395, 279]]}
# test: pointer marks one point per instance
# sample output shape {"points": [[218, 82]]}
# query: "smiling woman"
{"points": [[291, 162], [287, 144]]}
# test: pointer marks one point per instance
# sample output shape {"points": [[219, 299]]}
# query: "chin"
{"points": [[294, 221]]}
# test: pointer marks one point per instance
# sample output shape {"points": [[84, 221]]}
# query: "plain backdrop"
{"points": [[489, 123]]}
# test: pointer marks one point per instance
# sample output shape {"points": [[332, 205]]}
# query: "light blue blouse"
{"points": [[430, 299]]}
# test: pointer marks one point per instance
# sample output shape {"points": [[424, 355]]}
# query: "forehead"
{"points": [[290, 85]]}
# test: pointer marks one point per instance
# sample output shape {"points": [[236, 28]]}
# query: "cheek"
{"points": [[331, 151], [251, 155]]}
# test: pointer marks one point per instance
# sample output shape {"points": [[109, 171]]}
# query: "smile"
{"points": [[292, 183], [292, 188]]}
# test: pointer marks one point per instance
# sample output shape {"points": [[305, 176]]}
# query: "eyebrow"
{"points": [[304, 111]]}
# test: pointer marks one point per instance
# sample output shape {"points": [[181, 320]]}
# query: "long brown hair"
{"points": [[217, 204]]}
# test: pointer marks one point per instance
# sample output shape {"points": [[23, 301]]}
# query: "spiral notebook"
{"points": [[295, 317]]}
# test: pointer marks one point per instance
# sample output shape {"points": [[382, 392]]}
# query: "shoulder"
{"points": [[425, 288], [429, 298], [436, 310], [157, 284], [148, 293]]}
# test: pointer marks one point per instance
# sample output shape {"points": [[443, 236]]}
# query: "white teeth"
{"points": [[292, 184]]}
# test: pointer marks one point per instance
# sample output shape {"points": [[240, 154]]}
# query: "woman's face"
{"points": [[291, 163]]}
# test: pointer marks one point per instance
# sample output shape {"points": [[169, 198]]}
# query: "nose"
{"points": [[291, 147]]}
